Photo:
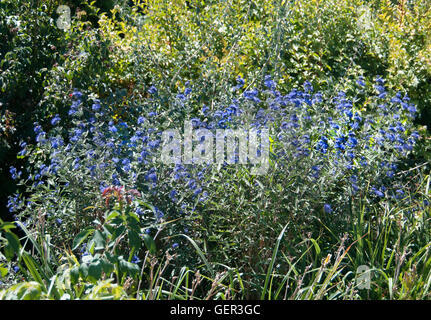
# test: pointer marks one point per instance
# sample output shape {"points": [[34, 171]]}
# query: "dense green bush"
{"points": [[328, 150], [29, 46], [85, 108]]}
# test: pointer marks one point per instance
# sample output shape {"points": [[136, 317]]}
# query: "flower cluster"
{"points": [[346, 142]]}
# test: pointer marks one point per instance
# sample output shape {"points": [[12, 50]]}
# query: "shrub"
{"points": [[341, 150], [327, 150]]}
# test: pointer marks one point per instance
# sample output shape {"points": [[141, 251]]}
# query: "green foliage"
{"points": [[268, 237]]}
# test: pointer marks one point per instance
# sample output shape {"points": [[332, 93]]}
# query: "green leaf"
{"points": [[8, 252], [80, 238], [13, 245], [150, 243], [26, 291], [112, 215], [200, 253], [83, 270], [95, 270], [3, 272], [74, 275], [32, 268], [271, 265], [117, 233], [134, 240], [7, 226], [107, 267], [99, 240], [316, 246], [131, 269]]}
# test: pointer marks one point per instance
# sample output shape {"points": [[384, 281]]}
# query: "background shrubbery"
{"points": [[343, 85]]}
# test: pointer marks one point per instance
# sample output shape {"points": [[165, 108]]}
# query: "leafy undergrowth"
{"points": [[335, 206]]}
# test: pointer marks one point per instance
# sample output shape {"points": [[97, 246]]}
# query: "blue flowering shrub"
{"points": [[328, 151], [96, 186], [93, 212]]}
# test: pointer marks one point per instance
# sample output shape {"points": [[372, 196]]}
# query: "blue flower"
{"points": [[380, 80], [115, 179], [74, 108], [252, 95], [23, 145], [195, 122], [173, 195], [363, 162], [205, 109], [126, 165], [102, 186], [56, 143], [83, 249], [382, 95], [412, 109], [14, 203], [38, 129], [141, 120], [55, 120], [96, 105], [399, 194], [355, 187], [14, 173], [152, 90], [76, 164], [175, 245], [154, 144], [339, 143], [135, 259], [327, 208], [77, 94], [316, 171], [159, 214], [152, 177], [322, 145], [204, 196], [397, 98], [360, 81], [269, 83], [308, 87], [191, 184], [113, 128], [240, 83], [197, 191], [377, 192], [139, 211]]}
